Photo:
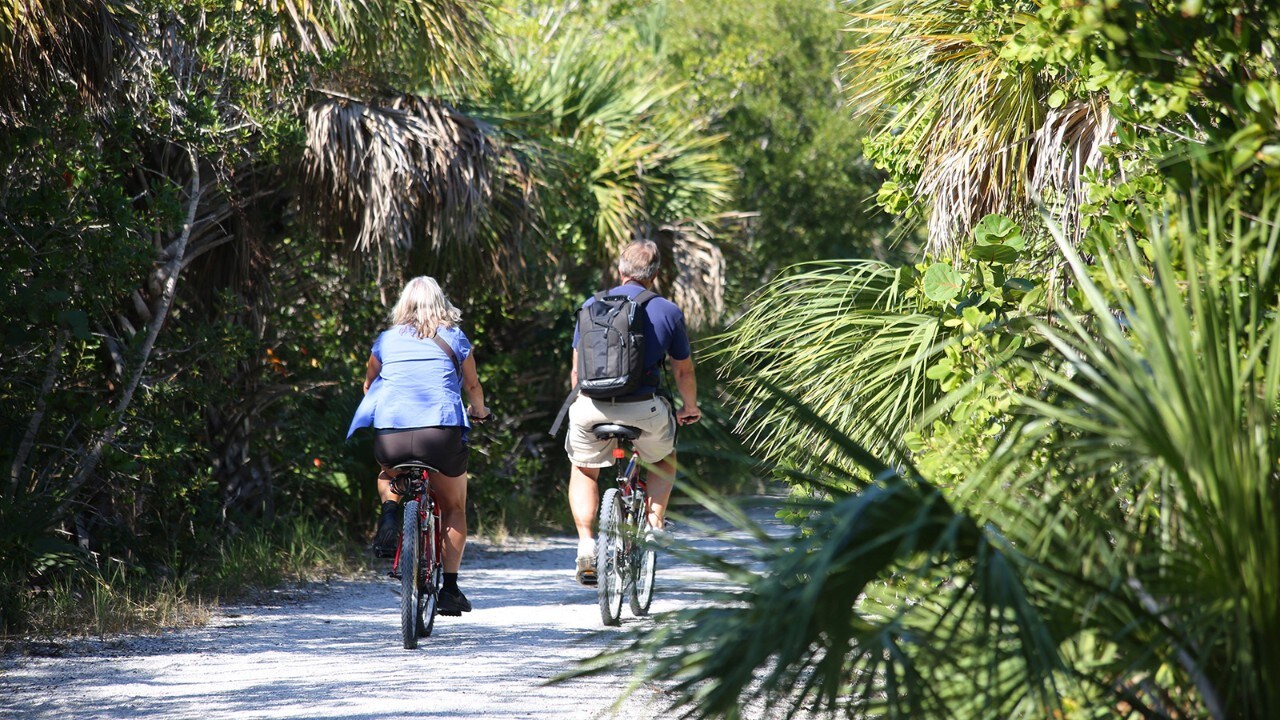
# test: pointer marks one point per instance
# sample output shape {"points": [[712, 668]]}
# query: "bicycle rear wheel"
{"points": [[645, 564], [609, 558], [410, 570], [432, 573]]}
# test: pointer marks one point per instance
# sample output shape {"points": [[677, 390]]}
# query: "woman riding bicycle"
{"points": [[418, 370]]}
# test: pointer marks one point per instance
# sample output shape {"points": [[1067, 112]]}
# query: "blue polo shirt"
{"points": [[664, 333]]}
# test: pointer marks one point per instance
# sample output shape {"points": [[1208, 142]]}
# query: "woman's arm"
{"points": [[471, 386], [375, 367]]}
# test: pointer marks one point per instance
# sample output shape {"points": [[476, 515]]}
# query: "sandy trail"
{"points": [[336, 653]]}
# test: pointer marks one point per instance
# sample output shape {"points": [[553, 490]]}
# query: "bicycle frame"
{"points": [[415, 485], [630, 479], [418, 594], [625, 564]]}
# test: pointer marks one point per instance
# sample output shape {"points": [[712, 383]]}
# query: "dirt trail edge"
{"points": [[337, 653]]}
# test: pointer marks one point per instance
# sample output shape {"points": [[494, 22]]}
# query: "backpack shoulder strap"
{"points": [[644, 296], [453, 356], [564, 409]]}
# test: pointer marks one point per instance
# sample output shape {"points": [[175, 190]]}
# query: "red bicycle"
{"points": [[419, 562]]}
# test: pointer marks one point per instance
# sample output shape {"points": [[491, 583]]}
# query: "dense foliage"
{"points": [[1074, 390], [206, 213]]}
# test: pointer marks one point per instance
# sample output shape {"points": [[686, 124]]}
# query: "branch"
{"points": [[90, 461], [37, 417], [1207, 692]]}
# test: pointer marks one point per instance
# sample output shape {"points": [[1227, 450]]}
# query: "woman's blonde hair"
{"points": [[423, 307]]}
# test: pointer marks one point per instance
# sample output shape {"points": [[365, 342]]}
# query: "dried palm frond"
{"points": [[1067, 146], [48, 42], [431, 41], [977, 129], [384, 177], [962, 112], [697, 285]]}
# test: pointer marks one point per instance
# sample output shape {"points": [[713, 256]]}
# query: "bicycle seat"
{"points": [[414, 465], [609, 431]]}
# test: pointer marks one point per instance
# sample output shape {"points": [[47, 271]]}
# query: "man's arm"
{"points": [[687, 386]]}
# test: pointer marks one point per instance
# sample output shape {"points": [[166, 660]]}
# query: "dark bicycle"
{"points": [[419, 562], [625, 562]]}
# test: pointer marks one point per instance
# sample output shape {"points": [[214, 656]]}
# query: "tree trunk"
{"points": [[173, 267], [37, 416]]}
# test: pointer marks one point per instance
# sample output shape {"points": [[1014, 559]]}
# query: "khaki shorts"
{"points": [[655, 419]]}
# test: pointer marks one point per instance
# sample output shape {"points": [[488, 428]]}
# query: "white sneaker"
{"points": [[656, 536], [586, 572]]}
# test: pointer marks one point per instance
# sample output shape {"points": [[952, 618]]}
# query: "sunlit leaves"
{"points": [[942, 283]]}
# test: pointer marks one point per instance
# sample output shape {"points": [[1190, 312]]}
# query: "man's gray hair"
{"points": [[640, 259]]}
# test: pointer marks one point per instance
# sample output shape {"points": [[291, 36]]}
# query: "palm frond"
{"points": [[982, 138], [698, 283], [845, 339], [1150, 453], [43, 43], [851, 644], [384, 176], [1065, 149], [647, 165], [437, 42]]}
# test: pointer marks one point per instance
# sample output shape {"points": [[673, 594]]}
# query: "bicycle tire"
{"points": [[645, 567], [432, 573], [609, 558], [410, 567]]}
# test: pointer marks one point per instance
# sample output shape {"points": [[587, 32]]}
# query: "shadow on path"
{"points": [[338, 655]]}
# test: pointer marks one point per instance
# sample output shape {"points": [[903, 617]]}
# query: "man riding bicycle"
{"points": [[645, 407]]}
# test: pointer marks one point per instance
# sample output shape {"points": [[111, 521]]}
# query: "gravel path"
{"points": [[335, 652]]}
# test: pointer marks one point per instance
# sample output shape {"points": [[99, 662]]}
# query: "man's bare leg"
{"points": [[584, 498], [662, 478]]}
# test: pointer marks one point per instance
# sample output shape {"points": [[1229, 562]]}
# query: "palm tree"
{"points": [[973, 129], [617, 157], [1116, 554], [414, 173], [88, 41]]}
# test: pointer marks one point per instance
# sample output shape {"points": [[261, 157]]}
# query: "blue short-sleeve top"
{"points": [[417, 385]]}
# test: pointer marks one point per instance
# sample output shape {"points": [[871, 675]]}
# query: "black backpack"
{"points": [[610, 346]]}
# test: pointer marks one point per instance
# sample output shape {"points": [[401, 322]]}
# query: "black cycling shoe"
{"points": [[452, 602], [384, 542]]}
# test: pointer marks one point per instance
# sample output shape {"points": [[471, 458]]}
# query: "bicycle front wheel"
{"points": [[645, 562], [609, 558], [410, 570], [432, 573]]}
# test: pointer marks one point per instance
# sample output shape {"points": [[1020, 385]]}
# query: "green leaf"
{"points": [[940, 369], [1057, 98], [998, 239], [995, 253], [942, 283], [998, 230], [78, 321]]}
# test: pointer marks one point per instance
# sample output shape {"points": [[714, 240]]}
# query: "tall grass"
{"points": [[93, 599]]}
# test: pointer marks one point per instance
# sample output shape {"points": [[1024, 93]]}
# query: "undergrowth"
{"points": [[95, 598]]}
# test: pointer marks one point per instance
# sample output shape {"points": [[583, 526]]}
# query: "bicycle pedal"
{"points": [[449, 613]]}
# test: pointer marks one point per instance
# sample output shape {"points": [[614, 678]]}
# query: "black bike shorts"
{"points": [[441, 447]]}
